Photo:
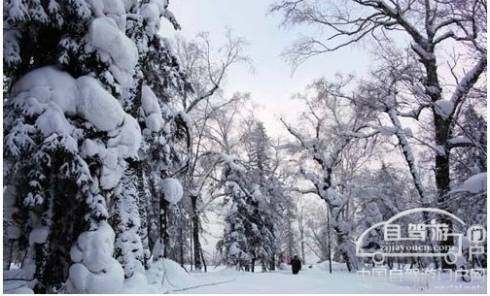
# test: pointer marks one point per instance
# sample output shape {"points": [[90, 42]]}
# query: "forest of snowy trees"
{"points": [[121, 146]]}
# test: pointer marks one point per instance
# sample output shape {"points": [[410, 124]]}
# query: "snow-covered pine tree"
{"points": [[235, 244], [258, 149], [70, 69], [163, 129], [160, 125], [469, 164]]}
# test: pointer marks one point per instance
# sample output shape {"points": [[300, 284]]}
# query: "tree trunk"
{"points": [[329, 244], [345, 246], [182, 240], [442, 176], [164, 226], [204, 261], [195, 234]]}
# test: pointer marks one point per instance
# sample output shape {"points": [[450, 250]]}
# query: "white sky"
{"points": [[271, 84]]}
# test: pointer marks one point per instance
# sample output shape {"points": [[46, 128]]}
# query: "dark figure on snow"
{"points": [[295, 264]]}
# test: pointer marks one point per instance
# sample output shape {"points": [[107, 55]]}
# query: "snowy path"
{"points": [[317, 281]]}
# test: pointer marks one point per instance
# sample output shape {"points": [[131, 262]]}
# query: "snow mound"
{"points": [[169, 275], [172, 190], [138, 284]]}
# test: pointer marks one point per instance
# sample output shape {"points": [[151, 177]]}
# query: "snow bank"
{"points": [[163, 276], [169, 275], [172, 190]]}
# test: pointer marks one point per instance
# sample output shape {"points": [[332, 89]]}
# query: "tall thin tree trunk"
{"points": [[195, 233], [329, 243], [181, 241], [204, 261], [164, 226]]}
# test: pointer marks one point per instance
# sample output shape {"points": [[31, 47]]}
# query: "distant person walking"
{"points": [[295, 264]]}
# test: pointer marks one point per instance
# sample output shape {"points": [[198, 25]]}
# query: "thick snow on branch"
{"points": [[475, 184], [459, 141], [113, 47], [172, 190], [444, 107], [153, 114], [53, 95]]}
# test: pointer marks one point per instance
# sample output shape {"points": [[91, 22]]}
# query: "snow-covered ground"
{"points": [[316, 279]]}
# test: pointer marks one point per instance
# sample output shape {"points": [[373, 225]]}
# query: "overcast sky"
{"points": [[271, 84]]}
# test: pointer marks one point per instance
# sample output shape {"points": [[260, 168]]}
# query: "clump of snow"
{"points": [[49, 88], [444, 107], [38, 235], [18, 290], [151, 108], [44, 85], [459, 140], [11, 48], [114, 9], [95, 270], [112, 169], [474, 184], [172, 190], [97, 105], [151, 14], [92, 148], [52, 120], [127, 138], [52, 94], [113, 47], [164, 275]]}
